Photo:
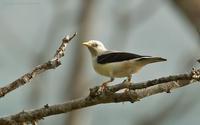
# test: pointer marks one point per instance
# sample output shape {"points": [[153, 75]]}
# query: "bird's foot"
{"points": [[103, 87], [127, 83], [132, 94], [127, 90]]}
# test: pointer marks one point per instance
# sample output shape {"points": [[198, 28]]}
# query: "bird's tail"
{"points": [[147, 60]]}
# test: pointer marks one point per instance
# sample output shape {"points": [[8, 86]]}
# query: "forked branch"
{"points": [[51, 64]]}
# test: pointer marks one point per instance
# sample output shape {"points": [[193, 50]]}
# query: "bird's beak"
{"points": [[86, 44]]}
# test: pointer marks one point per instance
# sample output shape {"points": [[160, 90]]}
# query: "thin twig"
{"points": [[51, 64], [148, 88]]}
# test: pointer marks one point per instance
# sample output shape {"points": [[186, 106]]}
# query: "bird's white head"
{"points": [[95, 47]]}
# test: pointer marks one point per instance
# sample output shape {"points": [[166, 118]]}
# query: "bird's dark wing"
{"points": [[117, 57]]}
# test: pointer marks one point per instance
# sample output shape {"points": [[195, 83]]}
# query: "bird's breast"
{"points": [[116, 69]]}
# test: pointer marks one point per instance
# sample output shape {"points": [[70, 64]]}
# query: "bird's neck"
{"points": [[95, 52]]}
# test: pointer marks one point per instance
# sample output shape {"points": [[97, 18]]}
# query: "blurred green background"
{"points": [[32, 30]]}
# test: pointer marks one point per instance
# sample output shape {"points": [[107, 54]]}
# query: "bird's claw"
{"points": [[103, 88], [132, 95], [127, 90], [127, 83]]}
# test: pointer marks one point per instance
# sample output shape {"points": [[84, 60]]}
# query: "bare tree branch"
{"points": [[137, 92], [51, 64]]}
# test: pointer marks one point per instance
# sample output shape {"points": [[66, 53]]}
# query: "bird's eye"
{"points": [[94, 45]]}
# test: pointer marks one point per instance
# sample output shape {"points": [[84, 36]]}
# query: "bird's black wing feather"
{"points": [[117, 57]]}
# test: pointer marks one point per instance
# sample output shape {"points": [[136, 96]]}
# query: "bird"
{"points": [[116, 64]]}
